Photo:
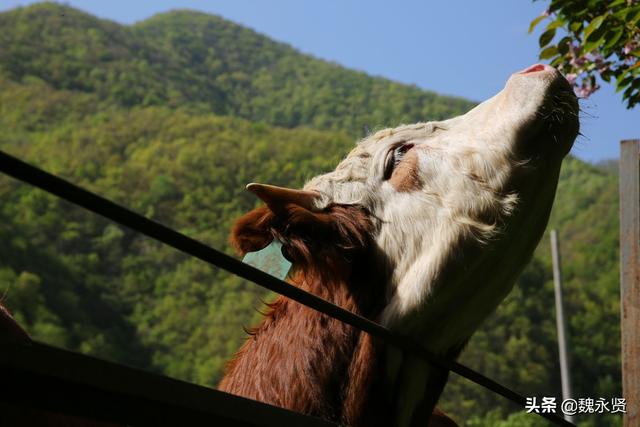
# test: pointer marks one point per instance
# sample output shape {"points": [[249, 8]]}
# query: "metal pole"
{"points": [[563, 348], [630, 277]]}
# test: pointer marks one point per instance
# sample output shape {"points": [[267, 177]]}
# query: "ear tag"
{"points": [[270, 260]]}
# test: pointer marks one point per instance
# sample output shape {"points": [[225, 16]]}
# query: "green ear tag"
{"points": [[270, 260]]}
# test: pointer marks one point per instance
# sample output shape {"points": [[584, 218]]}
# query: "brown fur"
{"points": [[298, 358]]}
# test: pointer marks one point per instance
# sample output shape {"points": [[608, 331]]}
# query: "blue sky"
{"points": [[466, 49]]}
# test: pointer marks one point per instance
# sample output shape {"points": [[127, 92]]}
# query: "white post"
{"points": [[563, 348]]}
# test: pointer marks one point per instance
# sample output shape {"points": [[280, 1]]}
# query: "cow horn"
{"points": [[276, 197]]}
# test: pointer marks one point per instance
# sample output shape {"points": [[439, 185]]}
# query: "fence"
{"points": [[104, 393]]}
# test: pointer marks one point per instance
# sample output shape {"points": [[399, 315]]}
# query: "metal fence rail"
{"points": [[110, 210], [59, 380]]}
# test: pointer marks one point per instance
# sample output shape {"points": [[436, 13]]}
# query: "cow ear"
{"points": [[252, 231], [292, 217], [256, 229], [278, 197]]}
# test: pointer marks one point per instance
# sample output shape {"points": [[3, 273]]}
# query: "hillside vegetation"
{"points": [[171, 117], [186, 58]]}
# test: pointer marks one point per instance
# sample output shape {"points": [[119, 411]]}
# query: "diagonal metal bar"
{"points": [[110, 210]]}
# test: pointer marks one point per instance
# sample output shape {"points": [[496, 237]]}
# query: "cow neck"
{"points": [[306, 361]]}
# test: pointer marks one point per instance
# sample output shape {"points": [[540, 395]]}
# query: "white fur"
{"points": [[457, 244]]}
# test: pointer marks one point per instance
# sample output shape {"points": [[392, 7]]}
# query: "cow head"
{"points": [[455, 207]]}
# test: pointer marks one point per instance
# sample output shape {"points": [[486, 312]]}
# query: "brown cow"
{"points": [[423, 228]]}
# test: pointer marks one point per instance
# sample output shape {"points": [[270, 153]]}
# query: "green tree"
{"points": [[597, 38]]}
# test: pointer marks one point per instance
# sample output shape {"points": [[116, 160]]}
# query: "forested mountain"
{"points": [[185, 58], [172, 117]]}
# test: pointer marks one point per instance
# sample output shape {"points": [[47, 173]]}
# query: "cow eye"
{"points": [[394, 157]]}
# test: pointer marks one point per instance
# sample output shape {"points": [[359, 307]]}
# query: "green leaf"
{"points": [[556, 62], [576, 27], [622, 81], [594, 25], [632, 19], [631, 11], [612, 37], [593, 45], [563, 45], [595, 39], [555, 24], [546, 37], [615, 3], [624, 13], [549, 52], [536, 22]]}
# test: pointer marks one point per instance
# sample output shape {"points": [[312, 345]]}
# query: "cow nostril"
{"points": [[535, 68]]}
